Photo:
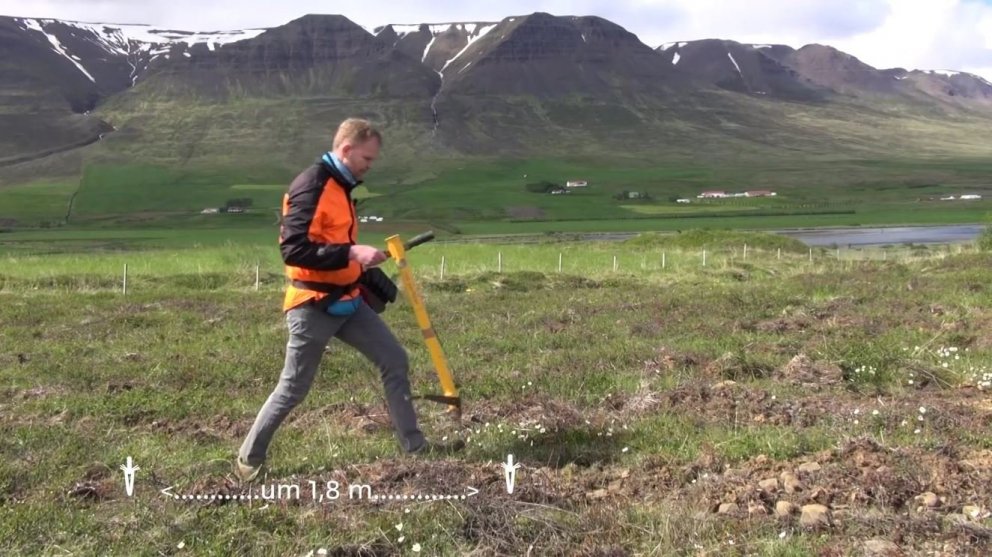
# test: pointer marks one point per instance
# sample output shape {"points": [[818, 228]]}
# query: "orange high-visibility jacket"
{"points": [[317, 231]]}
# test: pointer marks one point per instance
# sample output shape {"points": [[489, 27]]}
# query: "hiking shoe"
{"points": [[246, 472], [438, 449]]}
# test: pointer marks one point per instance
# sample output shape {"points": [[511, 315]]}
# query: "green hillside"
{"points": [[845, 163]]}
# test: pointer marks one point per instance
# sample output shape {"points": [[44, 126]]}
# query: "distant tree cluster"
{"points": [[542, 187], [239, 202], [627, 195]]}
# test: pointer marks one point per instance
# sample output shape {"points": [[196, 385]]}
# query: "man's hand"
{"points": [[367, 255]]}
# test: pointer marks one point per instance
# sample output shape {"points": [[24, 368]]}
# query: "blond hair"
{"points": [[356, 131]]}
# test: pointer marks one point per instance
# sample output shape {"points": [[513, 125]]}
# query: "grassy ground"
{"points": [[655, 411]]}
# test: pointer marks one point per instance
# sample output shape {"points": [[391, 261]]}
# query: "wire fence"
{"points": [[441, 263]]}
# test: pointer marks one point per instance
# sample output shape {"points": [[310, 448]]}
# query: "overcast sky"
{"points": [[914, 34]]}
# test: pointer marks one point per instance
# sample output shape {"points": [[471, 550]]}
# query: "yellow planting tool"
{"points": [[397, 250]]}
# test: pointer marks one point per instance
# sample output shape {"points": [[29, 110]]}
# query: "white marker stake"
{"points": [[125, 280], [499, 262], [129, 470], [559, 262], [510, 473], [256, 276], [662, 260], [442, 267]]}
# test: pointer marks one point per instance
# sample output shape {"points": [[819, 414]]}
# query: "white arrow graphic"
{"points": [[510, 473], [129, 470], [245, 497], [471, 491]]}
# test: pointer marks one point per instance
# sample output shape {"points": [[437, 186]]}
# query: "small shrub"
{"points": [[985, 239]]}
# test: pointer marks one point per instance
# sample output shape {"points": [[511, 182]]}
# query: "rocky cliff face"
{"points": [[324, 55], [550, 56], [950, 86], [828, 67], [434, 44], [751, 69]]}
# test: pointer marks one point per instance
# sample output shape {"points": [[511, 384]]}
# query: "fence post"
{"points": [[124, 290]]}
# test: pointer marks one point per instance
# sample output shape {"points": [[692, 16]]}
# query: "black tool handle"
{"points": [[418, 239]]}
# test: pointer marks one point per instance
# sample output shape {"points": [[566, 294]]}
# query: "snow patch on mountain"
{"points": [[34, 25]]}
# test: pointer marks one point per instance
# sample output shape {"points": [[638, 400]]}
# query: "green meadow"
{"points": [[479, 196], [778, 401]]}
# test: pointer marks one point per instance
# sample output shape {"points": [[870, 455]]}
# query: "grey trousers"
{"points": [[310, 330]]}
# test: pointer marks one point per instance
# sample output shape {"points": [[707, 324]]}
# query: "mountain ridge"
{"points": [[537, 83]]}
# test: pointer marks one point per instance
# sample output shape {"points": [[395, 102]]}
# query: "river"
{"points": [[944, 234]]}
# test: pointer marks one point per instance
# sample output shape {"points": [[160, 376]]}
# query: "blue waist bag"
{"points": [[342, 308]]}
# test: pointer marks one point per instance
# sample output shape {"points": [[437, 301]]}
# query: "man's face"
{"points": [[359, 157]]}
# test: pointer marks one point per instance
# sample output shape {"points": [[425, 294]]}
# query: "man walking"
{"points": [[323, 262]]}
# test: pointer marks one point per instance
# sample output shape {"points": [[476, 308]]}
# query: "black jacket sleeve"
{"points": [[295, 244]]}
